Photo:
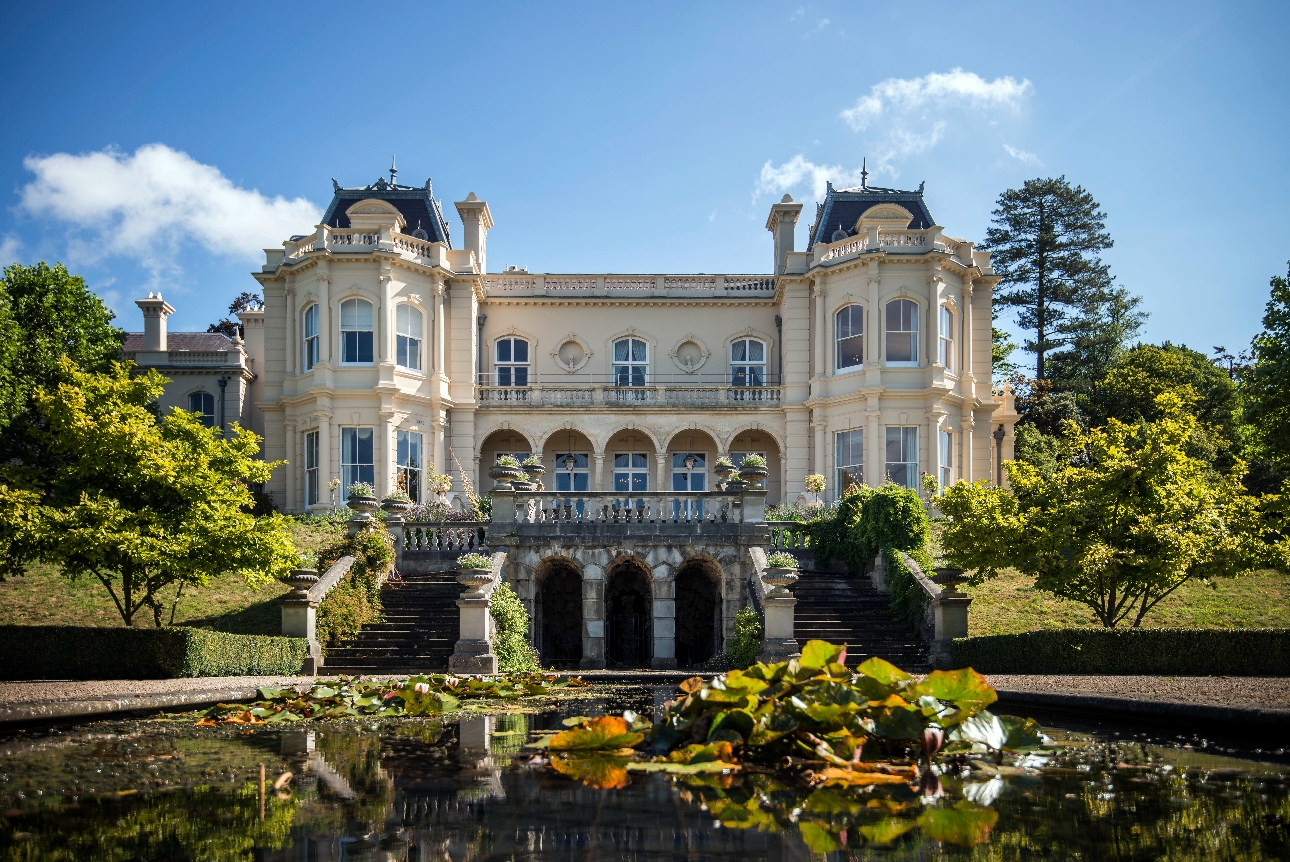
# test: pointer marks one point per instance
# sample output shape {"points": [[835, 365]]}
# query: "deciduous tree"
{"points": [[1125, 519], [1265, 382], [141, 504]]}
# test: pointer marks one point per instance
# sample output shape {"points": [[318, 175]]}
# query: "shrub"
{"points": [[1173, 652], [511, 643], [76, 652], [439, 483], [908, 601], [356, 600], [781, 561], [815, 483], [474, 561], [868, 520], [361, 489], [746, 643]]}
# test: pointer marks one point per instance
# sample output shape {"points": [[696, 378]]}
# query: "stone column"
{"points": [[950, 612], [754, 506], [325, 336], [295, 347], [474, 651], [874, 457], [599, 476], [439, 457], [820, 464], [823, 333], [966, 371], [593, 614], [664, 603], [294, 449], [779, 642], [660, 461], [299, 620], [440, 365], [325, 443], [384, 455]]}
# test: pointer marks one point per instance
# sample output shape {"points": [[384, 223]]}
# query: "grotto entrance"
{"points": [[629, 611], [698, 612], [559, 613]]}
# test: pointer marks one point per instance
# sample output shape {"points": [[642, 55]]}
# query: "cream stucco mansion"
{"points": [[383, 352]]}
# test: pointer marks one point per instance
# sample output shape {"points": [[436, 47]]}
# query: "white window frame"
{"points": [[313, 489], [946, 352], [753, 372], [207, 419], [908, 443], [848, 453], [356, 329], [352, 469], [687, 478], [410, 341], [853, 313], [559, 476], [409, 469], [630, 471], [630, 365], [312, 342], [514, 368], [911, 334], [946, 443]]}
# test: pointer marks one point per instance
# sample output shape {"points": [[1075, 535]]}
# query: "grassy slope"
{"points": [[45, 597]]}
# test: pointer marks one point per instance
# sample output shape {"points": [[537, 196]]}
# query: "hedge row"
{"points": [[1132, 652], [74, 652]]}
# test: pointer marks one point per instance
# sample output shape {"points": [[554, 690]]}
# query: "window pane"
{"points": [[639, 462], [311, 321], [756, 351], [521, 375], [364, 313], [622, 461], [894, 448], [364, 346], [739, 351], [503, 350], [521, 350], [638, 350], [850, 352], [620, 350], [639, 482], [504, 376], [900, 347], [910, 439], [679, 482], [622, 481]]}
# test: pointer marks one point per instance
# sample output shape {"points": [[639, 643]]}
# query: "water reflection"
{"points": [[421, 790]]}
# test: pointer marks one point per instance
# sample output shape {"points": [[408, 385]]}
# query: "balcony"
{"points": [[526, 284], [686, 391]]}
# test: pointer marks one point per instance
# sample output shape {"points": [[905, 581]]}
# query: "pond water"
{"points": [[422, 790]]}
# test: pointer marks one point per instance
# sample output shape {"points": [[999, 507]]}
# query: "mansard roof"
{"points": [[845, 207], [417, 205], [204, 341]]}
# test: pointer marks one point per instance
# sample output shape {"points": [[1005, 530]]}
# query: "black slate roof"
{"points": [[417, 206], [845, 207], [181, 341]]}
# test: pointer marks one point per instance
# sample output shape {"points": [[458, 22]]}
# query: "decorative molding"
{"points": [[572, 338], [689, 368]]}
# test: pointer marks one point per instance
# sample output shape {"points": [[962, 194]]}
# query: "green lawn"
{"points": [[1009, 604], [45, 597]]}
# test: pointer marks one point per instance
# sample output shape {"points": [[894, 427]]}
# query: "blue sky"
{"points": [[159, 147]]}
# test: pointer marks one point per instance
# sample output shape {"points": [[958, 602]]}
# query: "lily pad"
{"points": [[607, 733], [966, 824]]}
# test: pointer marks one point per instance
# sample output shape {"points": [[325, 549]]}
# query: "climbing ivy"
{"points": [[356, 600], [511, 644], [868, 520]]}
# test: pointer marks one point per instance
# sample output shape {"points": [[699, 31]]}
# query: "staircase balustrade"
{"points": [[450, 538]]}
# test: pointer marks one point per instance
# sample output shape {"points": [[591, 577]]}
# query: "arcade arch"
{"points": [[629, 614], [557, 613], [698, 611]]}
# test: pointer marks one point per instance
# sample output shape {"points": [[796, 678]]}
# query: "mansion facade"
{"points": [[384, 352]]}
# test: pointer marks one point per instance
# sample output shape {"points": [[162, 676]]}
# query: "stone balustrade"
{"points": [[551, 284], [300, 610], [449, 538], [591, 394], [562, 508]]}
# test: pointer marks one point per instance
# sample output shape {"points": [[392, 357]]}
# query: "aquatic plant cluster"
{"points": [[812, 724], [432, 694]]}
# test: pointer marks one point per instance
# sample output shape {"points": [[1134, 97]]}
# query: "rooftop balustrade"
{"points": [[892, 242], [542, 284]]}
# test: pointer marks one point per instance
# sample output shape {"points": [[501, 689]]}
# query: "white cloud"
{"points": [[150, 204], [1022, 155], [822, 23], [956, 88], [798, 172], [10, 249], [801, 10]]}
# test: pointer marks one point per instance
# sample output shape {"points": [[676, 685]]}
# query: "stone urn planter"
{"points": [[474, 580], [503, 475], [396, 506], [302, 579], [780, 579], [753, 475], [364, 506], [949, 578], [723, 473], [534, 473]]}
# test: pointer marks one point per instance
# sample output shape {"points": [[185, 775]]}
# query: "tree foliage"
{"points": [[142, 504], [511, 644], [1045, 243], [1126, 518], [233, 328], [1265, 382]]}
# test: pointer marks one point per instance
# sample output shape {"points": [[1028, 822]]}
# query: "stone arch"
{"points": [[749, 428], [504, 440], [752, 438], [557, 611], [629, 613], [698, 610]]}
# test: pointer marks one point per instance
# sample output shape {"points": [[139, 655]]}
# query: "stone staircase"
{"points": [[419, 632], [841, 608]]}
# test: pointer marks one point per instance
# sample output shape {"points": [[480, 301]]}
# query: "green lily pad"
{"points": [[966, 824]]}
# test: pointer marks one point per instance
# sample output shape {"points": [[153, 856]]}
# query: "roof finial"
{"points": [[394, 172], [864, 173]]}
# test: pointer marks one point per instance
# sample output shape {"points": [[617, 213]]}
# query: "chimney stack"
{"points": [[155, 311], [781, 223], [476, 221]]}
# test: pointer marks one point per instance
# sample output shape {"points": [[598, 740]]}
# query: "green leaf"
{"points": [[887, 830], [1022, 734], [816, 655], [968, 690], [818, 838], [984, 727], [739, 721], [883, 671], [966, 824], [706, 766]]}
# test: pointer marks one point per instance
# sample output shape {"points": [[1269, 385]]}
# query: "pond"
{"points": [[467, 789]]}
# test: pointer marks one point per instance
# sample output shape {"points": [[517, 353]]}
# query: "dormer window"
{"points": [[356, 332], [902, 331]]}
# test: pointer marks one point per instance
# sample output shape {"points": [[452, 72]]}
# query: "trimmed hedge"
{"points": [[1132, 652], [74, 652]]}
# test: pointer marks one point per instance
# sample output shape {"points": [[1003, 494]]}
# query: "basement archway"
{"points": [[629, 615], [698, 611], [559, 613]]}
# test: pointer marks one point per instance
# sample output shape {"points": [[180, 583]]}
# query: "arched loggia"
{"points": [[629, 612], [698, 612]]}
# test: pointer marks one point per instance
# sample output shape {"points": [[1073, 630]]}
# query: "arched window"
{"points": [[747, 362], [408, 329], [512, 362], [631, 362], [356, 332], [850, 337], [203, 404], [311, 337], [946, 353], [902, 331]]}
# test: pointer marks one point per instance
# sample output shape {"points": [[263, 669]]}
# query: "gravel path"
{"points": [[1239, 691]]}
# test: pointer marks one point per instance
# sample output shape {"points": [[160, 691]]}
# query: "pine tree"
{"points": [[1265, 383], [1045, 243]]}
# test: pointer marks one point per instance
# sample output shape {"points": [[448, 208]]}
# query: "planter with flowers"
{"points": [[753, 470], [474, 571], [362, 499], [397, 502], [723, 469], [505, 472], [781, 573]]}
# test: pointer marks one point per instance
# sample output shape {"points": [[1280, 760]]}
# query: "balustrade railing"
{"points": [[553, 507], [693, 393], [787, 535], [524, 282], [447, 537]]}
